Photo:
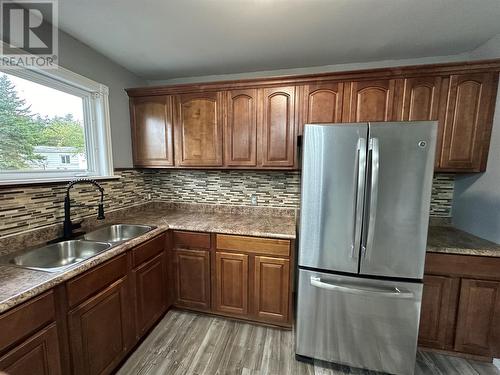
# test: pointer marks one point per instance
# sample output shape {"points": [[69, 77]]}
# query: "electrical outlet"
{"points": [[253, 199]]}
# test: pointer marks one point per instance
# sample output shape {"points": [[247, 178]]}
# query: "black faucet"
{"points": [[68, 225]]}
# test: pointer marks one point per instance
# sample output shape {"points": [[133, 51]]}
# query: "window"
{"points": [[54, 125]]}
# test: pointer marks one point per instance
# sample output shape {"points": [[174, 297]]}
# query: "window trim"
{"points": [[97, 125]]}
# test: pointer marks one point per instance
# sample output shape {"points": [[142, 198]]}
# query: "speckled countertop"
{"points": [[18, 284], [447, 239]]}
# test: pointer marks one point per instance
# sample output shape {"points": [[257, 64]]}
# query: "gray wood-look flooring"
{"points": [[190, 343]]}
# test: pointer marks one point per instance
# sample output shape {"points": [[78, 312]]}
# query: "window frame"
{"points": [[97, 128]]}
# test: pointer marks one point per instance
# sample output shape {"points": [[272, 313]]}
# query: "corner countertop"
{"points": [[17, 285], [450, 240]]}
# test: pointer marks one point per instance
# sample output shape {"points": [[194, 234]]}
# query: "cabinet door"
{"points": [[198, 130], [150, 292], [192, 278], [278, 127], [439, 302], [478, 322], [271, 289], [322, 103], [231, 279], [467, 122], [152, 131], [368, 101], [240, 148], [101, 330], [419, 99], [38, 355]]}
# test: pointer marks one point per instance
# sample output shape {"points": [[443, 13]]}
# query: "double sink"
{"points": [[61, 255]]}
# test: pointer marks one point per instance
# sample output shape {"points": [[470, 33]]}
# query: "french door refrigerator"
{"points": [[366, 191]]}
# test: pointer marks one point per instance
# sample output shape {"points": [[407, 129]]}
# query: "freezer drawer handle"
{"points": [[387, 292]]}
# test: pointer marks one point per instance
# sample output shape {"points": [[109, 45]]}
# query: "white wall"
{"points": [[476, 202], [81, 59], [314, 69]]}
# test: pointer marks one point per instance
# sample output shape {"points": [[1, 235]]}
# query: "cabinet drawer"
{"points": [[470, 266], [20, 322], [148, 250], [191, 240], [269, 246], [96, 279]]}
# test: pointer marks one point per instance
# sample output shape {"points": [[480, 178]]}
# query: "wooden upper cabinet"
{"points": [[321, 103], [478, 322], [152, 131], [254, 124], [467, 122], [241, 128], [198, 129], [368, 101], [418, 99], [278, 127]]}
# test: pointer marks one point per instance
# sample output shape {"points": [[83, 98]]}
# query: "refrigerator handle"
{"points": [[359, 290], [359, 182], [373, 148]]}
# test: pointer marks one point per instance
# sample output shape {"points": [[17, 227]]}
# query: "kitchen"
{"points": [[251, 201]]}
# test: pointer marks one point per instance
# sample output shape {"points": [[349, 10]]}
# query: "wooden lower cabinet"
{"points": [[231, 283], [439, 302], [100, 330], [37, 355], [239, 276], [150, 293], [461, 305], [192, 278], [271, 289], [89, 324], [478, 321]]}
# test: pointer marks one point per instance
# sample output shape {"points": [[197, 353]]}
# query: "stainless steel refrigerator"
{"points": [[366, 191]]}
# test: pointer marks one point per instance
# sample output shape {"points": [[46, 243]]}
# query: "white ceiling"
{"points": [[161, 39]]}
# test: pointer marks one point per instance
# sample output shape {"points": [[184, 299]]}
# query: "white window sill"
{"points": [[37, 181]]}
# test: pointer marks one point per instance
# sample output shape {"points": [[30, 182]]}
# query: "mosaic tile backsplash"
{"points": [[28, 207], [278, 189], [23, 208]]}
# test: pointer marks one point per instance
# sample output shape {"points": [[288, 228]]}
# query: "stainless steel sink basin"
{"points": [[57, 256], [117, 233]]}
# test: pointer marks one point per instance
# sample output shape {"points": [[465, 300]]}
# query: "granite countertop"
{"points": [[450, 240], [250, 225], [19, 284]]}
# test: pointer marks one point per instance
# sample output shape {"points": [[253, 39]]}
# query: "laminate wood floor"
{"points": [[190, 343]]}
